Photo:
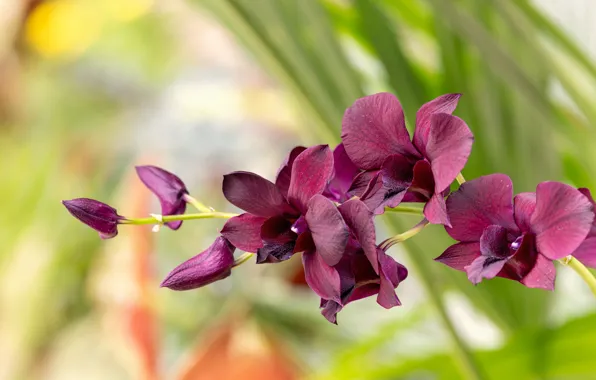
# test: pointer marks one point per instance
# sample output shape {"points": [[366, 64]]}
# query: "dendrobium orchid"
{"points": [[515, 238], [322, 206], [395, 168], [275, 212]]}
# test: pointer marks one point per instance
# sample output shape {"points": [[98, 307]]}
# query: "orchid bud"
{"points": [[213, 264], [97, 215]]}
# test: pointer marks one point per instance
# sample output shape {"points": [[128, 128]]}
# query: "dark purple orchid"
{"points": [[395, 168], [213, 264], [586, 252], [363, 269], [275, 212], [169, 189], [516, 239], [97, 215]]}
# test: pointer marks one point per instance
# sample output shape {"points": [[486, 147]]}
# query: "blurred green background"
{"points": [[90, 88]]}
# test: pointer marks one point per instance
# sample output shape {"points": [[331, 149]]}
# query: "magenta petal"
{"points": [[344, 173], [561, 220], [423, 183], [374, 128], [494, 247], [390, 186], [254, 194], [322, 278], [459, 256], [101, 217], [278, 240], [523, 208], [329, 231], [244, 232], [449, 146], [521, 263], [360, 221], [168, 188], [443, 104], [392, 273], [479, 203], [311, 171], [586, 252], [284, 174], [435, 210], [542, 275], [213, 264], [484, 267], [361, 182], [493, 242], [329, 310]]}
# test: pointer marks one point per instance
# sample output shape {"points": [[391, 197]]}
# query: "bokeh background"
{"points": [[90, 88]]}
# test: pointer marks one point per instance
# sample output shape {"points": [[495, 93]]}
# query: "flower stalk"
{"points": [[460, 179], [581, 270], [160, 219], [242, 259], [413, 210], [399, 238], [196, 204]]}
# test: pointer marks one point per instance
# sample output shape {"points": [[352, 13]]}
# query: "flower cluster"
{"points": [[323, 203]]}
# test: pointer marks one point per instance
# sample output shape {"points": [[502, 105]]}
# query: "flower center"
{"points": [[516, 244], [299, 226]]}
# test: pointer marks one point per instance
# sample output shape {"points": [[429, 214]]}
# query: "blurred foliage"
{"points": [[505, 57]]}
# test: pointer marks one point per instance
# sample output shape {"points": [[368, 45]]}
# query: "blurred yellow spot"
{"points": [[127, 10], [63, 29]]}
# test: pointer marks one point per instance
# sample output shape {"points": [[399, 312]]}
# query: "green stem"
{"points": [[413, 210], [581, 270], [460, 179], [159, 219], [243, 258], [198, 205]]}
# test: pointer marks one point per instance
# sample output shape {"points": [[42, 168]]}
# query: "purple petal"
{"points": [[275, 252], [586, 252], [397, 173], [304, 242], [494, 247], [561, 220], [542, 276], [213, 264], [361, 182], [443, 104], [311, 171], [330, 310], [423, 183], [374, 128], [493, 242], [392, 273], [244, 232], [484, 267], [284, 174], [168, 188], [322, 278], [97, 215], [254, 194], [390, 187], [459, 256], [521, 263], [449, 146], [360, 221], [344, 173], [523, 208], [329, 231], [279, 241], [479, 203], [435, 210]]}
